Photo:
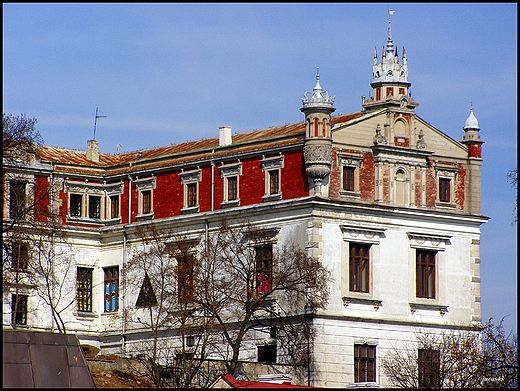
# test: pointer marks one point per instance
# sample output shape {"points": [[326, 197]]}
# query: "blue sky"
{"points": [[169, 73]]}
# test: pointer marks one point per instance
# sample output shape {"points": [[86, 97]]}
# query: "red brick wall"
{"points": [[367, 178], [460, 187]]}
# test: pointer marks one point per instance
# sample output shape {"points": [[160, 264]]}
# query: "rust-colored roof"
{"points": [[76, 162], [34, 359]]}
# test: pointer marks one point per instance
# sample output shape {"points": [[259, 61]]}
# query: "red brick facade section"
{"points": [[475, 150], [460, 187], [431, 188], [386, 182], [418, 186], [367, 178]]}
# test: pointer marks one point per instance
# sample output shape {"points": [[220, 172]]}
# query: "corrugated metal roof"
{"points": [[34, 359], [75, 161]]}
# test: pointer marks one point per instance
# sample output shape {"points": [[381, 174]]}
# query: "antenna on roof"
{"points": [[95, 121]]}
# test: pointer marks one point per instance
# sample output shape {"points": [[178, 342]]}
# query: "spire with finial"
{"points": [[318, 97]]}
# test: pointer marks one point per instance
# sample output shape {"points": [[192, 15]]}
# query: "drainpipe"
{"points": [[212, 186], [129, 199], [123, 297]]}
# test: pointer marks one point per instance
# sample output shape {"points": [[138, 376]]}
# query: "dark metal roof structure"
{"points": [[33, 359]]}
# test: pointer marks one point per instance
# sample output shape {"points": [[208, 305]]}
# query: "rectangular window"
{"points": [[19, 309], [429, 368], [359, 267], [76, 201], [232, 188], [111, 289], [264, 268], [425, 267], [267, 354], [147, 201], [378, 93], [84, 289], [17, 199], [364, 363], [94, 207], [185, 278], [401, 91], [191, 195], [444, 189], [19, 256], [389, 91], [348, 178], [274, 178], [114, 206]]}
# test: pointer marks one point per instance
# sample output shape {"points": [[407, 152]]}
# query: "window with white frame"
{"points": [[87, 201], [145, 188], [190, 182], [445, 186], [272, 167], [349, 169], [230, 174]]}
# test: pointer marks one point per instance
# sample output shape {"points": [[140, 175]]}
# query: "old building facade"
{"points": [[387, 202]]}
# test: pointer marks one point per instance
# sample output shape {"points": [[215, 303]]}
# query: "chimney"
{"points": [[224, 135], [93, 150]]}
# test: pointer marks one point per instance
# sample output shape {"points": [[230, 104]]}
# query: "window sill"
{"points": [[445, 205], [230, 204], [355, 300], [85, 314], [272, 197], [116, 220], [147, 216], [190, 209], [87, 220], [428, 307], [349, 194]]}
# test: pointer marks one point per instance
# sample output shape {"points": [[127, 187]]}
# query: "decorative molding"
{"points": [[362, 235], [428, 307], [354, 300], [191, 176], [272, 163], [428, 241]]}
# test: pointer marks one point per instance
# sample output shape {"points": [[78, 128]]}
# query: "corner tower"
{"points": [[472, 140], [317, 151], [390, 86]]}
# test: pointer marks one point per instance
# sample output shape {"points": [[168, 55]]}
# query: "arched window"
{"points": [[401, 188]]}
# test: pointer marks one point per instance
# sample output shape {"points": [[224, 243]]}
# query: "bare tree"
{"points": [[513, 180], [202, 302], [161, 270], [253, 289], [21, 139], [481, 358], [32, 234]]}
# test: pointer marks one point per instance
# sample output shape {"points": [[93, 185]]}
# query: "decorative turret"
{"points": [[472, 139], [390, 78], [317, 107], [471, 136]]}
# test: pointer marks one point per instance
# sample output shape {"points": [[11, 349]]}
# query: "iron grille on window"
{"points": [[429, 368], [76, 204], [17, 199], [264, 268], [232, 183], [364, 363], [114, 206], [19, 309], [274, 182], [19, 256], [94, 207], [147, 201], [185, 278], [191, 189], [84, 289]]}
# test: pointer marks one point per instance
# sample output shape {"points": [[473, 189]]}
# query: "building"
{"points": [[387, 202]]}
